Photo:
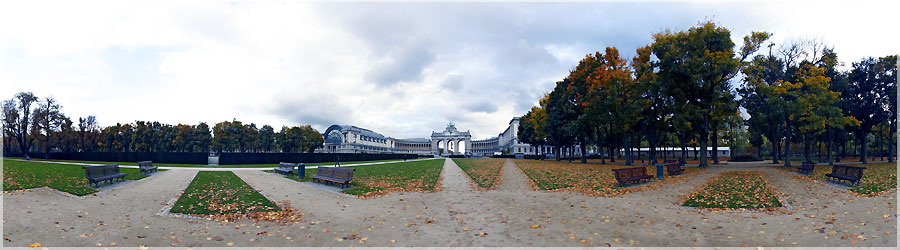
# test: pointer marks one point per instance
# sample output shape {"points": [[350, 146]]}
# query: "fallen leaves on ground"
{"points": [[484, 172], [34, 244], [734, 189], [590, 179]]}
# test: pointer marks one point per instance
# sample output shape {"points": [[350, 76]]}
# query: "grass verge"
{"points": [[71, 179], [591, 179], [221, 192], [734, 189], [372, 180], [877, 177], [484, 172]]}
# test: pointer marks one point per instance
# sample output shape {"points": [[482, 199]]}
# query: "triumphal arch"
{"points": [[450, 140]]}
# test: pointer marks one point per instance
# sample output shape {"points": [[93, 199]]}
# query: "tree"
{"points": [[866, 99], [250, 138], [656, 104], [47, 120], [697, 65], [202, 138], [817, 110], [10, 117], [17, 118], [88, 133], [267, 138]]}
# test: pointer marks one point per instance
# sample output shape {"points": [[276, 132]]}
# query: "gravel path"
{"points": [[818, 215]]}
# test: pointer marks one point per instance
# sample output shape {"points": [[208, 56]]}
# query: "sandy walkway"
{"points": [[820, 215]]}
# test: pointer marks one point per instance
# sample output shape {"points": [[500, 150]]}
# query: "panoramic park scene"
{"points": [[625, 125]]}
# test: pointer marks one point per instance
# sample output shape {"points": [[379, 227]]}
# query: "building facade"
{"points": [[450, 141]]}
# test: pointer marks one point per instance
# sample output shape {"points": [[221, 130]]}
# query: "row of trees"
{"points": [[32, 124], [685, 96]]}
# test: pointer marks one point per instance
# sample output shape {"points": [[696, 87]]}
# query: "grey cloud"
{"points": [[318, 110], [481, 106], [403, 64], [453, 82]]}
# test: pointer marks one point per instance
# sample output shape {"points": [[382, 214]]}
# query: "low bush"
{"points": [[744, 157]]}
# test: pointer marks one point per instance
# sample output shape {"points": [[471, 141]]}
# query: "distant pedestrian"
{"points": [[27, 158]]}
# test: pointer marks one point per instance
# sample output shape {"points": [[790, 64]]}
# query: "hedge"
{"points": [[157, 157], [224, 158], [274, 158]]}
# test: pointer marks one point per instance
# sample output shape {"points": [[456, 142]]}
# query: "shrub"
{"points": [[744, 157]]}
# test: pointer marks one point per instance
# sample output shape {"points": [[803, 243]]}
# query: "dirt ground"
{"points": [[817, 214]]}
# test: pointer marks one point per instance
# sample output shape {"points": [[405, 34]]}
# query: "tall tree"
{"points": [[18, 116], [88, 133], [267, 138], [47, 120], [697, 65], [866, 98]]}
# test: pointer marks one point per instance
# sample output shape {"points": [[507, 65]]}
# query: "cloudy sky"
{"points": [[401, 69]]}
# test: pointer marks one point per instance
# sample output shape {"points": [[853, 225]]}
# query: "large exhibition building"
{"points": [[451, 141]]}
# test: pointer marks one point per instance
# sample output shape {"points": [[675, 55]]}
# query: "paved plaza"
{"points": [[817, 214]]}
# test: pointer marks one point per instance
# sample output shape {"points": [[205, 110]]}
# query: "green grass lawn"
{"points": [[383, 178], [734, 189], [484, 172], [221, 192], [877, 177], [203, 165], [71, 179]]}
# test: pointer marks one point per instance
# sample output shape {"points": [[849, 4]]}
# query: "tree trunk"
{"points": [[863, 146], [880, 141], [704, 140], [830, 148], [787, 142], [600, 146], [715, 142], [627, 149], [611, 147], [651, 139], [806, 139], [583, 155], [556, 150], [683, 149], [843, 150], [774, 141], [891, 143]]}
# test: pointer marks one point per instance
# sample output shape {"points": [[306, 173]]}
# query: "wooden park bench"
{"points": [[286, 168], [806, 168], [98, 173], [631, 175], [675, 161], [848, 173], [674, 169], [332, 174], [146, 167]]}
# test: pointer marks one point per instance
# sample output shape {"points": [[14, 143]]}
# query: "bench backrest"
{"points": [[623, 173], [335, 172], [673, 166], [101, 170], [852, 171], [668, 161], [287, 165], [346, 173], [145, 164], [808, 165]]}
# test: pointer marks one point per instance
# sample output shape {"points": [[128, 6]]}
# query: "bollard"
{"points": [[659, 171], [301, 170]]}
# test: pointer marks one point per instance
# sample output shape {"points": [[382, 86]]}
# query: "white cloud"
{"points": [[401, 69]]}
